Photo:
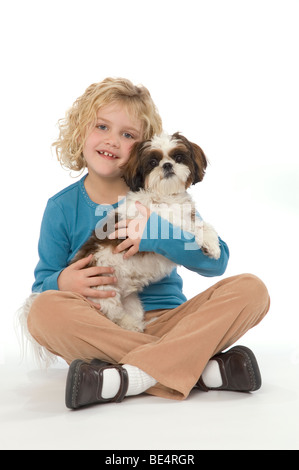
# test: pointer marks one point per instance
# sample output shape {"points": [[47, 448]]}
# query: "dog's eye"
{"points": [[178, 157], [153, 162]]}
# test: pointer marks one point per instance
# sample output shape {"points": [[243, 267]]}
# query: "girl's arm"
{"points": [[53, 272], [153, 233], [180, 247], [53, 249]]}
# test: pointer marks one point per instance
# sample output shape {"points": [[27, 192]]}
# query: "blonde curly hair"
{"points": [[73, 129]]}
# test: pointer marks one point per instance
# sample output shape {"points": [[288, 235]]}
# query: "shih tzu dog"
{"points": [[158, 173]]}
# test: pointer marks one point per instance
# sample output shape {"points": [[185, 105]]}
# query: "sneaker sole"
{"points": [[72, 383]]}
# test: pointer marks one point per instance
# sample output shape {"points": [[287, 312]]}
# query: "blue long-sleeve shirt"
{"points": [[69, 219]]}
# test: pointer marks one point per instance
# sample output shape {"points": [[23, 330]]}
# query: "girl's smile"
{"points": [[107, 155]]}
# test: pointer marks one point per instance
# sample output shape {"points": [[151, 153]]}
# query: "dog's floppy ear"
{"points": [[132, 173], [200, 163], [199, 159]]}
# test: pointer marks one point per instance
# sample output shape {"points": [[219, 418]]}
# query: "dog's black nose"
{"points": [[167, 166]]}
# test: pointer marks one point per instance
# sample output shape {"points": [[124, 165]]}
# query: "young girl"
{"points": [[181, 346]]}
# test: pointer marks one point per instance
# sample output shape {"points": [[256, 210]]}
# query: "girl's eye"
{"points": [[128, 136], [102, 127]]}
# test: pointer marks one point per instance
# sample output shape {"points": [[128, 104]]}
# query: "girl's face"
{"points": [[108, 144]]}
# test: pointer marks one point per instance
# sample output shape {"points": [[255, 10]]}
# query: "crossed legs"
{"points": [[176, 345]]}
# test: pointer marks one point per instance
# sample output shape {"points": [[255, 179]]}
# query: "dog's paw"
{"points": [[131, 324], [210, 245], [212, 251], [139, 329]]}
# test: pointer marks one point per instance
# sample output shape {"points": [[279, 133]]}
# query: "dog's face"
{"points": [[165, 164]]}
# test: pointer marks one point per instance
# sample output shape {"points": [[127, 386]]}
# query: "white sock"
{"points": [[111, 383], [139, 381], [211, 375]]}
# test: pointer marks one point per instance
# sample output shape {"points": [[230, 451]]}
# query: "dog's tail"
{"points": [[41, 355]]}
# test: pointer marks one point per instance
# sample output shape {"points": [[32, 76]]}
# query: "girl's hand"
{"points": [[80, 279], [131, 230]]}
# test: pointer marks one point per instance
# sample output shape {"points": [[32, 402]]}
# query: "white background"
{"points": [[224, 73]]}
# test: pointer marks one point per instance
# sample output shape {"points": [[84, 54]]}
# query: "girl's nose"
{"points": [[112, 139]]}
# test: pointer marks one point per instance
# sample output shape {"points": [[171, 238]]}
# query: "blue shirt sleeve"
{"points": [[53, 248], [160, 236]]}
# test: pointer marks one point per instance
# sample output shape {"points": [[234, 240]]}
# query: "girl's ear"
{"points": [[132, 173]]}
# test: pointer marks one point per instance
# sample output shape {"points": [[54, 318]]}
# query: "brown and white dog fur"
{"points": [[158, 173]]}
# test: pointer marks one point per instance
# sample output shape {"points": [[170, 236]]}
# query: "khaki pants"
{"points": [[174, 348]]}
